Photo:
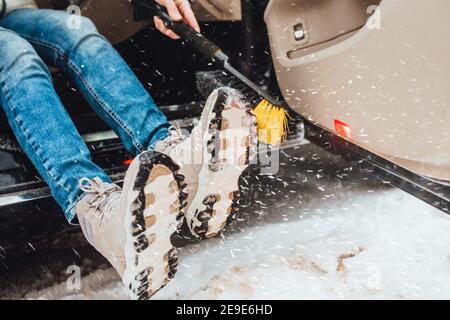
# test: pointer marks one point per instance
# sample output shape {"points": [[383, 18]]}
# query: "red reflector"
{"points": [[127, 162], [343, 129]]}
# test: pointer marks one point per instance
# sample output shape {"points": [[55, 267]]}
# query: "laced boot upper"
{"points": [[101, 221]]}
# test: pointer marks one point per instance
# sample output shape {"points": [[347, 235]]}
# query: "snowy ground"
{"points": [[333, 239]]}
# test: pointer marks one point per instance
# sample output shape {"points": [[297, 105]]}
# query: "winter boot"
{"points": [[132, 227]]}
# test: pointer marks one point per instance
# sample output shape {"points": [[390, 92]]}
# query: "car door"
{"points": [[374, 71]]}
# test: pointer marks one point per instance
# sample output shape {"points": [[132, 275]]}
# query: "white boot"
{"points": [[229, 147], [223, 145], [132, 228]]}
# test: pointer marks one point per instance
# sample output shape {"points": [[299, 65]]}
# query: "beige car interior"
{"points": [[114, 18], [217, 10], [383, 70]]}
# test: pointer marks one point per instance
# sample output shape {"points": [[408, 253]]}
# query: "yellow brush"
{"points": [[271, 116], [272, 122]]}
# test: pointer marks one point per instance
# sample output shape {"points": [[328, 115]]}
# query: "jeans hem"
{"points": [[70, 214], [163, 134]]}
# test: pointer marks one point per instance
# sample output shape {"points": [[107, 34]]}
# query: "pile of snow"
{"points": [[359, 243]]}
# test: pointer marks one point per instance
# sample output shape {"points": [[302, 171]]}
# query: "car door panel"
{"points": [[387, 79]]}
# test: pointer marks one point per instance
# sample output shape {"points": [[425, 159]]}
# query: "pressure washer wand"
{"points": [[205, 46], [271, 115]]}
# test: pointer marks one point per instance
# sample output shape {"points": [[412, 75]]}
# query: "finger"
{"points": [[164, 30], [173, 11], [188, 14], [159, 24]]}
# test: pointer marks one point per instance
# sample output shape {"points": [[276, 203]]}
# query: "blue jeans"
{"points": [[31, 39]]}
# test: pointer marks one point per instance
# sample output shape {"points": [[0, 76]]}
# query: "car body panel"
{"points": [[387, 79]]}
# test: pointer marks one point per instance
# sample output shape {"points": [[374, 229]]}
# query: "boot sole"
{"points": [[217, 202], [156, 201]]}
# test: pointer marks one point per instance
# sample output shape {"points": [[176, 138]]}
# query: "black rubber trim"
{"points": [[2, 12], [427, 190]]}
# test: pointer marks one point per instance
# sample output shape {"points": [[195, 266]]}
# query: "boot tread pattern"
{"points": [[200, 224], [154, 165]]}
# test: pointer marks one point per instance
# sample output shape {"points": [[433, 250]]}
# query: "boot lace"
{"points": [[173, 141], [101, 197]]}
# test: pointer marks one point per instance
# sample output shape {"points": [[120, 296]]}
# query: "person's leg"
{"points": [[40, 122], [131, 226], [103, 77]]}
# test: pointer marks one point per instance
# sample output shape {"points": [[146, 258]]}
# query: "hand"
{"points": [[178, 10]]}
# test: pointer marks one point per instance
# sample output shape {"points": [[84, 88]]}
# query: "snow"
{"points": [[365, 242], [397, 249]]}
